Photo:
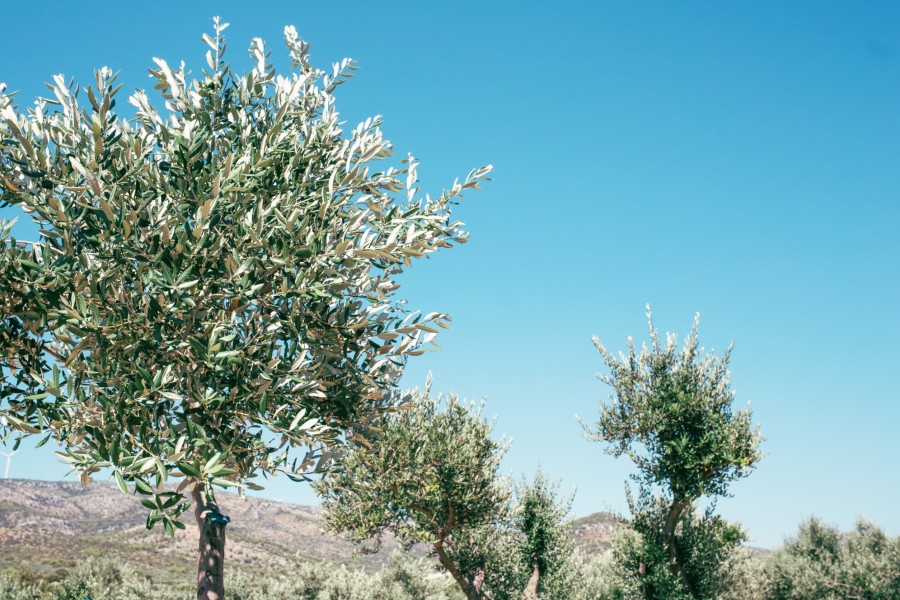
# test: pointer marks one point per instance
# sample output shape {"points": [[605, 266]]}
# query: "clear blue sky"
{"points": [[736, 159]]}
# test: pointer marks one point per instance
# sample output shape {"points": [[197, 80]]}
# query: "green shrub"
{"points": [[822, 564], [405, 577], [13, 587], [744, 575], [106, 579], [586, 577]]}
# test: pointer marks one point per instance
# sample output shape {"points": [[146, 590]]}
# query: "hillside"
{"points": [[50, 526], [594, 532]]}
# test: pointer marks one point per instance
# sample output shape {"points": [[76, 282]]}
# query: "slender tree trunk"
{"points": [[531, 588], [477, 584], [675, 513], [472, 590], [675, 567], [649, 592], [210, 568]]}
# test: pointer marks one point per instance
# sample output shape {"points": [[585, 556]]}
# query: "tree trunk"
{"points": [[675, 513], [472, 590], [477, 585], [531, 588], [675, 567], [210, 568]]}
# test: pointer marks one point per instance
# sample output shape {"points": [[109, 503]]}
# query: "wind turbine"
{"points": [[8, 456]]}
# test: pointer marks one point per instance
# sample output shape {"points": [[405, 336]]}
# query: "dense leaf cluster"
{"points": [[431, 477], [704, 544], [672, 414], [820, 563], [214, 282], [404, 577], [28, 292]]}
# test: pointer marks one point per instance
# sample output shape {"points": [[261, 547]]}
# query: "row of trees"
{"points": [[432, 477], [819, 563]]}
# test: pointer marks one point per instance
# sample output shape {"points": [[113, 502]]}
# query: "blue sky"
{"points": [[736, 159]]}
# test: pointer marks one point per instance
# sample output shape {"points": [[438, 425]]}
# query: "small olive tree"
{"points": [[531, 549], [430, 476], [671, 414], [214, 282], [542, 517]]}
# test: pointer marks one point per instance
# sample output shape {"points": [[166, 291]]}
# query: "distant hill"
{"points": [[48, 527], [594, 532]]}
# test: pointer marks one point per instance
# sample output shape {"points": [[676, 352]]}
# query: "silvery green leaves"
{"points": [[671, 413], [31, 385], [228, 307], [431, 476]]}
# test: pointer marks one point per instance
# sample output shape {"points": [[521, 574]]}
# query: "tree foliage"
{"points": [[403, 577], [529, 550], [212, 297], [230, 268], [430, 476], [671, 414], [704, 543], [25, 359], [821, 563], [542, 517]]}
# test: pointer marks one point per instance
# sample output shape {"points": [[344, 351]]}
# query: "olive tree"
{"points": [[531, 549], [217, 278], [429, 476], [671, 413], [542, 517]]}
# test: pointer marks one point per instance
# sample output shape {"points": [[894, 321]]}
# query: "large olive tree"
{"points": [[671, 413], [217, 278]]}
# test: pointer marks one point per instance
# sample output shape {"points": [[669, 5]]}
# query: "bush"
{"points": [[405, 577], [586, 577], [744, 575], [822, 564], [106, 579], [12, 587]]}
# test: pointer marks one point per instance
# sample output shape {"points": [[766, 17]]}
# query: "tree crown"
{"points": [[671, 413], [228, 270], [430, 475]]}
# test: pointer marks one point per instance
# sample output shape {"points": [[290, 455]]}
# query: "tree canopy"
{"points": [[214, 287], [430, 476], [672, 414]]}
